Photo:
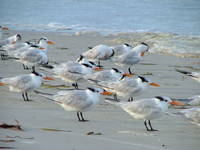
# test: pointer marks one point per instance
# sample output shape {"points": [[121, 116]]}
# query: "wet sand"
{"points": [[115, 129]]}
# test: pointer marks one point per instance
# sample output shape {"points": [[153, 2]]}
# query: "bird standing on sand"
{"points": [[14, 50], [131, 57], [24, 83], [128, 87], [74, 71], [11, 40], [147, 109], [77, 100], [99, 52], [113, 74], [121, 49]]}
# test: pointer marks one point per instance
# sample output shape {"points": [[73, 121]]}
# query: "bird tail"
{"points": [[47, 66], [183, 72], [48, 96]]}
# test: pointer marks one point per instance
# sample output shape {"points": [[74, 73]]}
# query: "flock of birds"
{"points": [[88, 68]]}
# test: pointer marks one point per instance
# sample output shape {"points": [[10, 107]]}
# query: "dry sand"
{"points": [[115, 129]]}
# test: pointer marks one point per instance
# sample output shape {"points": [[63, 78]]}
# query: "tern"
{"points": [[146, 109], [99, 52], [77, 100], [113, 74], [128, 87], [24, 83], [132, 57]]}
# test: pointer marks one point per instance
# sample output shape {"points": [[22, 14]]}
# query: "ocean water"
{"points": [[166, 18]]}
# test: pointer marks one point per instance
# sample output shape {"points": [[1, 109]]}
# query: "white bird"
{"points": [[1, 31], [193, 75], [14, 50], [74, 71], [99, 52], [121, 49], [11, 40], [128, 87], [132, 57], [192, 114], [24, 83], [77, 100], [146, 109], [113, 74], [32, 58]]}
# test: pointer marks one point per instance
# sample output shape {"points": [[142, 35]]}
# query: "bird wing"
{"points": [[33, 56], [75, 99], [141, 108], [22, 81]]}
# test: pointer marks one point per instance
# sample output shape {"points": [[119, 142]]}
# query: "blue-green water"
{"points": [[169, 16]]}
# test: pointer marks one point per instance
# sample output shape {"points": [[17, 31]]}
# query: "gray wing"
{"points": [[76, 98], [32, 56], [144, 107], [99, 76], [22, 82], [129, 58]]}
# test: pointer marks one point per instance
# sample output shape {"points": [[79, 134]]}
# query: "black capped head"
{"points": [[145, 45], [116, 70], [80, 58], [86, 65], [94, 90], [19, 37], [128, 45], [43, 38], [163, 98], [143, 79], [92, 63], [37, 73]]}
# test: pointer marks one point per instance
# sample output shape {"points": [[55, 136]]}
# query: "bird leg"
{"points": [[115, 97], [75, 85], [151, 127], [130, 99], [25, 67], [129, 70], [145, 123], [23, 96], [26, 94], [4, 57], [33, 68], [78, 116]]}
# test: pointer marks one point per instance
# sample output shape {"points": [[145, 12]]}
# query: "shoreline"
{"points": [[160, 43]]}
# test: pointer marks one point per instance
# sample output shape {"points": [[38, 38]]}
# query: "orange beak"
{"points": [[2, 84], [48, 78], [176, 103], [154, 84], [142, 53], [5, 28], [128, 75], [106, 93], [42, 48], [98, 69], [50, 42]]}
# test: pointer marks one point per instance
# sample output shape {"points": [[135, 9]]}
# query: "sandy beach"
{"points": [[113, 128]]}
